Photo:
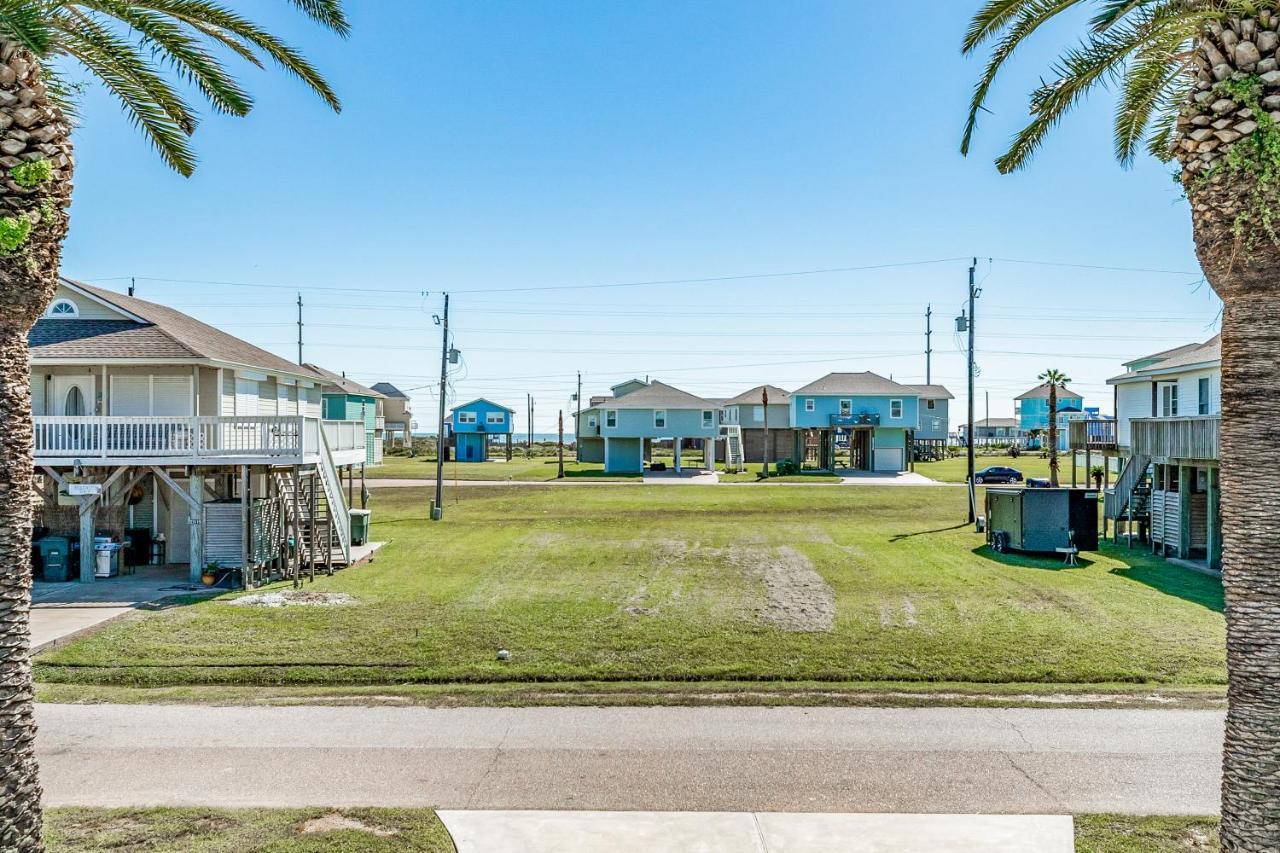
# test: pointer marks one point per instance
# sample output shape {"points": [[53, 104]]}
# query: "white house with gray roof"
{"points": [[151, 423]]}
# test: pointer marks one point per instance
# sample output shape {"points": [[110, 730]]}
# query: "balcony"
{"points": [[865, 419], [277, 439], [1092, 434], [1170, 439]]}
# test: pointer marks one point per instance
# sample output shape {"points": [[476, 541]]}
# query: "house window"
{"points": [[708, 418], [808, 404], [591, 421], [1203, 395], [611, 418], [846, 408], [495, 418], [895, 410], [659, 418], [63, 309], [929, 404], [466, 417], [1169, 400]]}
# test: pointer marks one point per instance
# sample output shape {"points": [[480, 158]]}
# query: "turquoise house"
{"points": [[474, 424], [344, 400], [874, 418], [619, 429], [1032, 408]]}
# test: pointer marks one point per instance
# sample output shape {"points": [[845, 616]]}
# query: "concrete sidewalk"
{"points": [[912, 760], [746, 832]]}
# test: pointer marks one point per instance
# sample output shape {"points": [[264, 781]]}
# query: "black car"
{"points": [[997, 474]]}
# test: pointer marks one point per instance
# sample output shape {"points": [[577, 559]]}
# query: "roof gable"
{"points": [[755, 396], [337, 383], [1041, 392], [856, 384], [480, 403], [659, 395]]}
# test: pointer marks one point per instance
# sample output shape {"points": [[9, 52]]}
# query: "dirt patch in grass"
{"points": [[293, 598], [797, 598], [898, 617], [336, 821]]}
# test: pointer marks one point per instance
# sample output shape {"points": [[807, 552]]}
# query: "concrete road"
{"points": [[932, 760]]}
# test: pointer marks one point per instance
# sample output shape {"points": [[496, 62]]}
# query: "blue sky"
{"points": [[487, 147]]}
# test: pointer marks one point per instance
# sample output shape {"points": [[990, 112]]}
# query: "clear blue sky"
{"points": [[489, 145]]}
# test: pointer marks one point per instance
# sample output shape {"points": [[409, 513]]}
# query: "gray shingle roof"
{"points": [[659, 395], [103, 339], [341, 383], [389, 390], [865, 383], [755, 397], [932, 392], [1041, 392], [1183, 356], [165, 333]]}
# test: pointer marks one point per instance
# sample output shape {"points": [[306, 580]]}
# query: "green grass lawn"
{"points": [[172, 830], [536, 469], [636, 583], [955, 470]]}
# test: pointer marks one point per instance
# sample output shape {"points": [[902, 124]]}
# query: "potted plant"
{"points": [[210, 574], [1096, 474]]}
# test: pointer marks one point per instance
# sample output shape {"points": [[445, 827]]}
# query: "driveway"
{"points": [[60, 611], [687, 477], [910, 760], [850, 477]]}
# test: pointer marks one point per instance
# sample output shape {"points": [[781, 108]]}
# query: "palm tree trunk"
{"points": [[1250, 577], [31, 129], [1053, 435]]}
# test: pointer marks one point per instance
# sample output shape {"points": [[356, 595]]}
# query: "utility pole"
{"points": [[577, 422], [970, 323], [560, 464], [928, 346], [300, 326], [437, 509], [764, 399], [988, 415]]}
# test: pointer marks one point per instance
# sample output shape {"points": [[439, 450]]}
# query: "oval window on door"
{"points": [[74, 404]]}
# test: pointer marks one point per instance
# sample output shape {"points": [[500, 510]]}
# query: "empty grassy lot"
{"points": [[955, 470], [537, 469], [633, 583]]}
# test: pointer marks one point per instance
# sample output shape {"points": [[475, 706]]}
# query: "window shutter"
{"points": [[171, 395], [131, 396]]}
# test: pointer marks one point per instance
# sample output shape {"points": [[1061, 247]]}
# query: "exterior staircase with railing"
{"points": [[1130, 499], [734, 458]]}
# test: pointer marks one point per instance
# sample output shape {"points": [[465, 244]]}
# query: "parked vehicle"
{"points": [[1038, 483], [997, 474]]}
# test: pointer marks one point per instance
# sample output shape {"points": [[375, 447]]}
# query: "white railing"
{"points": [[279, 437], [339, 512]]}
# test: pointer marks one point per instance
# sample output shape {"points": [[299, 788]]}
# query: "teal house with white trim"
{"points": [[474, 425], [620, 429], [342, 399], [874, 418]]}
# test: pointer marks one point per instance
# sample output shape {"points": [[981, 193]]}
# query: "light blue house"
{"points": [[618, 430], [1032, 408], [474, 424], [876, 418]]}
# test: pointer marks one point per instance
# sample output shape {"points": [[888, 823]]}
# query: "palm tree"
{"points": [[1055, 379], [1198, 83], [141, 51]]}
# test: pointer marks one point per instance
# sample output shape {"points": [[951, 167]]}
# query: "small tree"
{"points": [[1055, 379]]}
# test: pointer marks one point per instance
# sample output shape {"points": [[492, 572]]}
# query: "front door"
{"points": [[72, 396]]}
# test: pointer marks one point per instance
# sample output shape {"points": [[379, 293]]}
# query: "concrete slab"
{"points": [[881, 478], [687, 477], [916, 833], [748, 832], [606, 832]]}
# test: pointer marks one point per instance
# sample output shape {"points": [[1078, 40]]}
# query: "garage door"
{"points": [[889, 459]]}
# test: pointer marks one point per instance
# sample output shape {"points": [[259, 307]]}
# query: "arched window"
{"points": [[74, 405], [63, 308]]}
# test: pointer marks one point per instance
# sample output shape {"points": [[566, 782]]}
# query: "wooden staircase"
{"points": [[311, 522], [1130, 500], [733, 455]]}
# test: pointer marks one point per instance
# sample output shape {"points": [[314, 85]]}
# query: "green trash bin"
{"points": [[55, 557], [360, 526]]}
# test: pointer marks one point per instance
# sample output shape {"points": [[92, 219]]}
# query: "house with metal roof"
{"points": [[195, 445], [619, 429], [473, 427], [343, 399], [397, 415]]}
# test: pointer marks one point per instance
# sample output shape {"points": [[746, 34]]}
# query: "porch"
{"points": [[113, 440]]}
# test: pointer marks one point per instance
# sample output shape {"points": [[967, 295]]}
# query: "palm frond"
{"points": [[327, 12]]}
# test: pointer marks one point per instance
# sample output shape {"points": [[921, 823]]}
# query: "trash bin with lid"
{"points": [[55, 555], [360, 526]]}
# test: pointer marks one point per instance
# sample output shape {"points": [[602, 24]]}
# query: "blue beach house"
{"points": [[1032, 407], [620, 429], [474, 424], [874, 417]]}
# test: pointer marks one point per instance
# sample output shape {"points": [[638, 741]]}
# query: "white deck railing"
{"points": [[277, 437]]}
